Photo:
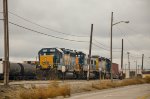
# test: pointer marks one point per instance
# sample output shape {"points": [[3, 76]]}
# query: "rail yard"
{"points": [[74, 49]]}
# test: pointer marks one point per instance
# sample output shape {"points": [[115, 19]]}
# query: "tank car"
{"points": [[21, 71]]}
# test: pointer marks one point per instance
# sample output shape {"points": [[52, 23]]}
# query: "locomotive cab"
{"points": [[69, 59], [80, 60], [50, 58]]}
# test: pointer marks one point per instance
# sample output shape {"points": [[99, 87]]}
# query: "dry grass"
{"points": [[54, 89], [51, 91], [126, 82], [103, 85], [1, 81], [147, 79]]}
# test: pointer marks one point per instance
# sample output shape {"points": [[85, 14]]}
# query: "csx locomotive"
{"points": [[51, 61]]}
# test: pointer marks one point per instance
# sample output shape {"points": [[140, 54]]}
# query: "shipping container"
{"points": [[115, 70]]}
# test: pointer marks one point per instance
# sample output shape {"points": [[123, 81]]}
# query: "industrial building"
{"points": [[132, 73]]}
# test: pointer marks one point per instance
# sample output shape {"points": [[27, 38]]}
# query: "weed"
{"points": [[51, 91], [147, 79], [126, 82]]}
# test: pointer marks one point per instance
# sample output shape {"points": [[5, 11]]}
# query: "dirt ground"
{"points": [[13, 91], [75, 86]]}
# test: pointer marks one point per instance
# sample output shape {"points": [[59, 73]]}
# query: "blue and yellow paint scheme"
{"points": [[50, 57]]}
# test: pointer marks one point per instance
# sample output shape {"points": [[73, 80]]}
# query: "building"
{"points": [[133, 73], [146, 73]]}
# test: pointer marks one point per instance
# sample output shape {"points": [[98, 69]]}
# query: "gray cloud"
{"points": [[75, 17]]}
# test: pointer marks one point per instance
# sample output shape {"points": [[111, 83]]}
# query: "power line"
{"points": [[103, 48], [44, 26], [97, 47], [50, 30], [133, 55], [43, 33], [100, 43], [132, 45], [124, 34], [100, 47], [105, 45], [147, 57], [131, 29]]}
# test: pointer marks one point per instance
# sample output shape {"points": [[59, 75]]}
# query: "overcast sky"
{"points": [[75, 17]]}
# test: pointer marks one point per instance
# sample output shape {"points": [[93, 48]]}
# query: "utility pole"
{"points": [[128, 63], [6, 43], [122, 60], [89, 57], [122, 56], [111, 45], [112, 24], [142, 61], [125, 69], [136, 67]]}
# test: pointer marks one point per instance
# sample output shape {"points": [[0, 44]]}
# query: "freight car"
{"points": [[115, 71], [21, 71]]}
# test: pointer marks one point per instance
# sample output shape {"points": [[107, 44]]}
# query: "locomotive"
{"points": [[76, 62], [51, 61]]}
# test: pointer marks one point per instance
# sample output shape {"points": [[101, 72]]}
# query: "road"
{"points": [[128, 92]]}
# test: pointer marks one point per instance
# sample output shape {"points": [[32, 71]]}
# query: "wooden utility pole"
{"points": [[122, 56], [6, 43], [142, 61], [136, 67], [129, 63], [111, 45], [125, 69], [89, 57]]}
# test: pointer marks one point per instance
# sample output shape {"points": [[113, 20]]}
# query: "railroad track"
{"points": [[37, 82]]}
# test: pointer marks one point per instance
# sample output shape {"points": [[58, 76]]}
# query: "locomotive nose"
{"points": [[46, 61]]}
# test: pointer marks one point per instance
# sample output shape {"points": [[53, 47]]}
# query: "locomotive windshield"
{"points": [[47, 52]]}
